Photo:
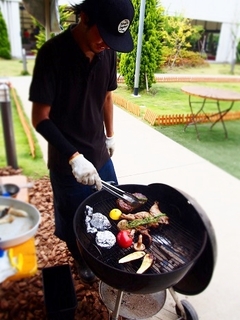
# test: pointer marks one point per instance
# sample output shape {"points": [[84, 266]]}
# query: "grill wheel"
{"points": [[191, 314]]}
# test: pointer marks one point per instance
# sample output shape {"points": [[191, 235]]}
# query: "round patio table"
{"points": [[215, 95]]}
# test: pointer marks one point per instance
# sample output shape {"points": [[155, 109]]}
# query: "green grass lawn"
{"points": [[15, 67], [33, 167], [167, 98], [212, 146]]}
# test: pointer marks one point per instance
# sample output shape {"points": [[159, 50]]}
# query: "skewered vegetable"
{"points": [[142, 215], [146, 221]]}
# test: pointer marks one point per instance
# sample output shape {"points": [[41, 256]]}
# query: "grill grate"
{"points": [[172, 246]]}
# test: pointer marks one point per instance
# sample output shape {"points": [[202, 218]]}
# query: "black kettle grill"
{"points": [[184, 251]]}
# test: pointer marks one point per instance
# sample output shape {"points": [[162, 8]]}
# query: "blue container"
{"points": [[59, 293]]}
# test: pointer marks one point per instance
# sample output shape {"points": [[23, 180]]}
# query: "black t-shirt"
{"points": [[75, 89]]}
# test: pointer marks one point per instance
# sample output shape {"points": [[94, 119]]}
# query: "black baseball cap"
{"points": [[113, 19]]}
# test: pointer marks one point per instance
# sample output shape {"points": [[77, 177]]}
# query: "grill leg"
{"points": [[116, 310], [178, 303]]}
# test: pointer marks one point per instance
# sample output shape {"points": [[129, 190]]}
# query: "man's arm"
{"points": [[108, 121], [82, 169], [44, 125], [108, 114], [39, 112]]}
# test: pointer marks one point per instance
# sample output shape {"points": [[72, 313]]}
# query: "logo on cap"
{"points": [[123, 26]]}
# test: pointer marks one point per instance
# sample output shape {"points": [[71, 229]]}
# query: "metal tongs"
{"points": [[126, 196]]}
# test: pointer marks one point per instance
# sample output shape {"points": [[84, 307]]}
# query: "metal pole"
{"points": [[7, 124], [47, 19], [139, 47], [24, 61], [116, 310]]}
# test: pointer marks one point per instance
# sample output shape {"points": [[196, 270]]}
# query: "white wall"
{"points": [[212, 10], [225, 12], [229, 37], [69, 2]]}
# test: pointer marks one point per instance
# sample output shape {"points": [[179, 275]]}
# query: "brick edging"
{"points": [[191, 78]]}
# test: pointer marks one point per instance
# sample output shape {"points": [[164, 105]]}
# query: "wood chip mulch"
{"points": [[24, 299]]}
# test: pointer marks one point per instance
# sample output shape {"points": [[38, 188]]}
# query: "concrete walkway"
{"points": [[145, 156]]}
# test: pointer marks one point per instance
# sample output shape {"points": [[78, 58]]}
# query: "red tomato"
{"points": [[124, 239]]}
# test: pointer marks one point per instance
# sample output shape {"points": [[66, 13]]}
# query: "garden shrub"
{"points": [[150, 50], [5, 48], [186, 59]]}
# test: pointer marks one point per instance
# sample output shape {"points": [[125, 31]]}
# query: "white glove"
{"points": [[84, 171], [110, 144]]}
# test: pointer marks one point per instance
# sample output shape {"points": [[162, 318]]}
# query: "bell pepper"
{"points": [[124, 238]]}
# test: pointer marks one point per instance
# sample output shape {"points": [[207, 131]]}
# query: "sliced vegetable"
{"points": [[132, 256], [146, 263], [124, 238], [7, 219], [18, 212]]}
